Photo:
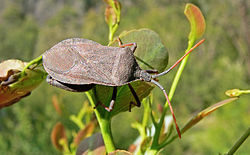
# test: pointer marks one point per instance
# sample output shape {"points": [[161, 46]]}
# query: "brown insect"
{"points": [[79, 64]]}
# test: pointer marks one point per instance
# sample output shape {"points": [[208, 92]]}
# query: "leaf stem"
{"points": [[171, 93], [245, 91], [104, 122], [179, 72], [239, 142], [36, 61], [105, 126]]}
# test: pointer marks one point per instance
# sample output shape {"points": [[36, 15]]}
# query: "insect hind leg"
{"points": [[138, 103]]}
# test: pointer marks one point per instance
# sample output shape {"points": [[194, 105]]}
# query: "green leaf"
{"points": [[196, 20], [149, 49]]}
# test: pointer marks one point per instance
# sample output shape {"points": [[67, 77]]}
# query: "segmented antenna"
{"points": [[170, 106], [164, 91], [178, 61]]}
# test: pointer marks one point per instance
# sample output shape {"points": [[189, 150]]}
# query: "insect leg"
{"points": [[69, 87], [112, 102], [55, 83], [138, 103], [133, 48]]}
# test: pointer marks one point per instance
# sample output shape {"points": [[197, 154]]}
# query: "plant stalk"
{"points": [[239, 142], [179, 72], [104, 122], [171, 94], [36, 61], [105, 126]]}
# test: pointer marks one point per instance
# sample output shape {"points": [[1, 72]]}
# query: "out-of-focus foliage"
{"points": [[28, 28]]}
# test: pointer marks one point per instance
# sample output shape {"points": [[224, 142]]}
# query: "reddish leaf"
{"points": [[111, 16], [13, 86], [57, 134], [206, 112], [197, 21], [87, 131], [56, 104]]}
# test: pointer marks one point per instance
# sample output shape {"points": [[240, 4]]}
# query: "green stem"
{"points": [[169, 141], [171, 94], [112, 30], [165, 140], [158, 126], [179, 72], [245, 91], [111, 34], [77, 121], [147, 103], [152, 152], [239, 142], [105, 126], [104, 122], [36, 61]]}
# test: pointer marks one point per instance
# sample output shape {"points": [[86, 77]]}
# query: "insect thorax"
{"points": [[125, 67]]}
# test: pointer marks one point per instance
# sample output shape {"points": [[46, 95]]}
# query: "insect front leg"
{"points": [[69, 87], [133, 48], [55, 83], [138, 103]]}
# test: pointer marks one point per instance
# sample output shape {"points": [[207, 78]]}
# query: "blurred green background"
{"points": [[30, 27]]}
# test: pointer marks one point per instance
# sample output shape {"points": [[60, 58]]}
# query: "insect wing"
{"points": [[97, 63], [80, 62]]}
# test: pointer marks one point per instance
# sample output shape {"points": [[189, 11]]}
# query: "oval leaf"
{"points": [[150, 50]]}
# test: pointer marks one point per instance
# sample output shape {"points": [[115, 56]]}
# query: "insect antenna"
{"points": [[170, 106], [164, 91], [178, 61]]}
